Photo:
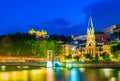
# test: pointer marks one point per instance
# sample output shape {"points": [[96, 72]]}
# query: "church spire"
{"points": [[90, 34], [90, 22]]}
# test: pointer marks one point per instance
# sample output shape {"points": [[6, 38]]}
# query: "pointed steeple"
{"points": [[90, 22]]}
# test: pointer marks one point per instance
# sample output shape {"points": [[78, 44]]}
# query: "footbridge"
{"points": [[21, 61]]}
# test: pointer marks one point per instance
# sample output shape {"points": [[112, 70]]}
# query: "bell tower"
{"points": [[90, 42]]}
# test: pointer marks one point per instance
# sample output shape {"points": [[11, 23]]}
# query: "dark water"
{"points": [[60, 74]]}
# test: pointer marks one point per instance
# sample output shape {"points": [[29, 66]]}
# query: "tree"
{"points": [[117, 54], [6, 41], [40, 47], [23, 36], [118, 25], [76, 58], [115, 49], [96, 58], [68, 56], [55, 47], [60, 38], [24, 44], [106, 56], [88, 56]]}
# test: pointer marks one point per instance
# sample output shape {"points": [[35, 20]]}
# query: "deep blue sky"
{"points": [[57, 16]]}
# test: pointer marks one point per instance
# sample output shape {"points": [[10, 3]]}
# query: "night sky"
{"points": [[57, 16]]}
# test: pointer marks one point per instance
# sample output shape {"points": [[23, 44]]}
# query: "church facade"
{"points": [[91, 46]]}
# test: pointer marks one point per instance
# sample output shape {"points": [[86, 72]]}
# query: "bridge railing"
{"points": [[19, 59]]}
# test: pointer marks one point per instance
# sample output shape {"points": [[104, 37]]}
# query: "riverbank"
{"points": [[93, 64], [66, 64]]}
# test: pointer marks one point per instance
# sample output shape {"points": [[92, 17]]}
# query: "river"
{"points": [[59, 74]]}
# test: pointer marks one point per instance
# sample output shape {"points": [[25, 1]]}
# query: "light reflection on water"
{"points": [[50, 74], [62, 74], [75, 75], [107, 72], [118, 75]]}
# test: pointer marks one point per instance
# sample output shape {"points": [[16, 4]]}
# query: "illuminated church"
{"points": [[91, 46]]}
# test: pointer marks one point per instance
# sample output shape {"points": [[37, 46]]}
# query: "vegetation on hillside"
{"points": [[24, 44]]}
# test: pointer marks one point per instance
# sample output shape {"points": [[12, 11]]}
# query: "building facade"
{"points": [[92, 46], [89, 45], [109, 29], [117, 33]]}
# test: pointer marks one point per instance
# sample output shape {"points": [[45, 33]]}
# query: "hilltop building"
{"points": [[38, 34], [109, 29], [117, 33]]}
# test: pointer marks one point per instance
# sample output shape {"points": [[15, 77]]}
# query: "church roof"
{"points": [[90, 23]]}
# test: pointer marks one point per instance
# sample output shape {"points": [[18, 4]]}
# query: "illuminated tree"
{"points": [[76, 58], [105, 56], [96, 58], [88, 57], [115, 49], [68, 56]]}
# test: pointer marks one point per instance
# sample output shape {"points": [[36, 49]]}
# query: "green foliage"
{"points": [[19, 44], [117, 54], [6, 41], [40, 47], [23, 36], [88, 57], [115, 49], [17, 48], [68, 56], [118, 26], [60, 38], [96, 58], [77, 58], [105, 56]]}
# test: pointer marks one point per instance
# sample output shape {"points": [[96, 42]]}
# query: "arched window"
{"points": [[91, 44]]}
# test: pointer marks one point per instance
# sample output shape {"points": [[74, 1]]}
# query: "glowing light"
{"points": [[38, 33], [18, 66], [82, 69], [25, 72], [14, 74], [107, 72], [49, 70], [50, 75], [57, 63], [4, 76], [73, 49], [68, 64], [49, 64], [35, 71], [118, 75], [113, 79], [26, 67], [74, 75], [3, 68]]}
